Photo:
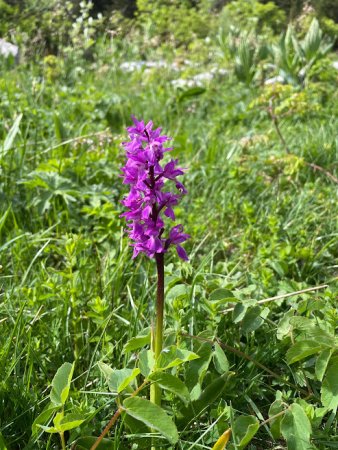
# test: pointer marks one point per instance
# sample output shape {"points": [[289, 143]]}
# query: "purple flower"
{"points": [[148, 200]]}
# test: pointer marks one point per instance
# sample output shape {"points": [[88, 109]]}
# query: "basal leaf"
{"points": [[153, 416]]}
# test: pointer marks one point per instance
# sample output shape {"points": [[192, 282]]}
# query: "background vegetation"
{"points": [[248, 90]]}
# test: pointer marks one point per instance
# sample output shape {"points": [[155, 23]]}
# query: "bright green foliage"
{"points": [[172, 384], [262, 214], [296, 428], [244, 429], [153, 416], [61, 384], [329, 392]]}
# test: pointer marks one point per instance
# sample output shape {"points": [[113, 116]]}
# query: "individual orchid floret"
{"points": [[148, 201]]}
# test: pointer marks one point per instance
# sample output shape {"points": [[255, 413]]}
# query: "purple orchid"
{"points": [[147, 199]]}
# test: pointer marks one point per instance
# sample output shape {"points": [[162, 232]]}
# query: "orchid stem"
{"points": [[157, 338]]}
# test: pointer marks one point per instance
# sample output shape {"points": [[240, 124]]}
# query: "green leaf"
{"points": [[3, 445], [129, 379], [43, 418], [296, 428], [146, 362], [244, 429], [118, 380], [192, 92], [209, 395], [239, 312], [51, 430], [177, 291], [252, 320], [301, 350], [172, 384], [86, 443], [275, 408], [61, 384], [222, 295], [8, 143], [69, 422], [321, 363], [173, 356], [220, 360], [197, 369], [137, 342], [153, 416], [329, 391]]}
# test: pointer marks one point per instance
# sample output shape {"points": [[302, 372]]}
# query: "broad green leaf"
{"points": [[51, 430], [321, 363], [11, 135], [209, 395], [118, 380], [275, 408], [177, 291], [106, 370], [197, 369], [220, 360], [222, 295], [244, 429], [239, 312], [69, 422], [153, 416], [301, 350], [322, 337], [329, 391], [86, 443], [172, 384], [146, 362], [252, 320], [137, 342], [173, 356], [129, 379], [43, 418], [61, 384], [296, 428]]}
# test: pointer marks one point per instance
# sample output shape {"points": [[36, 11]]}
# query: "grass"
{"points": [[262, 223]]}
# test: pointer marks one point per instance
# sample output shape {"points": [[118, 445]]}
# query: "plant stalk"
{"points": [[157, 338]]}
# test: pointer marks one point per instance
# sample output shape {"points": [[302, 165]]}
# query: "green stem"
{"points": [[63, 443], [157, 338]]}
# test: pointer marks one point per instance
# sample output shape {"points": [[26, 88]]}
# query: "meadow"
{"points": [[251, 104]]}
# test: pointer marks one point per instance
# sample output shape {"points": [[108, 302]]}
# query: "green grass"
{"points": [[261, 222]]}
